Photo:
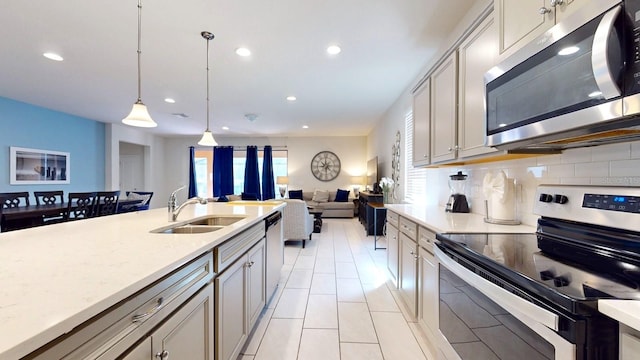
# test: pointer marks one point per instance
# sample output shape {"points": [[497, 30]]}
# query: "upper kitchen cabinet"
{"points": [[444, 92], [519, 21], [421, 131], [477, 54]]}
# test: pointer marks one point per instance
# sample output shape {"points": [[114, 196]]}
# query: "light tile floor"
{"points": [[335, 301]]}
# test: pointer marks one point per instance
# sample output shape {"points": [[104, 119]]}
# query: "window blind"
{"points": [[415, 178]]}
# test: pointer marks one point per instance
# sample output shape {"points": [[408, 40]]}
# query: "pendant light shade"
{"points": [[139, 115], [207, 136]]}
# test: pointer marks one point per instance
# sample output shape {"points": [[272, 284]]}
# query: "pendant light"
{"points": [[207, 136], [139, 115]]}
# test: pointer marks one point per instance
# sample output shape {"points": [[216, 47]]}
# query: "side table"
{"points": [[317, 219], [376, 207]]}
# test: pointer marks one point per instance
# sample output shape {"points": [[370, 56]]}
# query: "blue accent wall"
{"points": [[29, 126]]}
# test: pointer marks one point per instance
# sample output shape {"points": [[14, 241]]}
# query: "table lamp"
{"points": [[283, 181], [356, 181]]}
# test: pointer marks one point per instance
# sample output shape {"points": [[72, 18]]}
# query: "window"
{"points": [[204, 169], [415, 178]]}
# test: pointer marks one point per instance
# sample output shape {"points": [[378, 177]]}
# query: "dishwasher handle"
{"points": [[273, 219]]}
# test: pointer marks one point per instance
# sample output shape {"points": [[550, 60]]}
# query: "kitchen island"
{"points": [[57, 277]]}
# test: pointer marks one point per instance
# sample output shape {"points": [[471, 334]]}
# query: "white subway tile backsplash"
{"points": [[625, 168], [611, 152], [635, 150], [561, 171], [549, 159], [576, 181], [573, 156], [592, 169]]}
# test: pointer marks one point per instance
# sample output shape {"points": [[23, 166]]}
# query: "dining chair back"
{"points": [[14, 199], [81, 205], [107, 203], [48, 197]]}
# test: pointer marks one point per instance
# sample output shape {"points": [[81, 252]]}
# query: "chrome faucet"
{"points": [[175, 211]]}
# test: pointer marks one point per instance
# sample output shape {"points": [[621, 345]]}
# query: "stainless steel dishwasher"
{"points": [[275, 252]]}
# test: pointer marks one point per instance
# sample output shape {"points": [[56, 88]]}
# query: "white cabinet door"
{"points": [[408, 272], [428, 292], [421, 130], [256, 291], [392, 252], [231, 329], [520, 22], [477, 54], [567, 8], [188, 334], [141, 352], [444, 92]]}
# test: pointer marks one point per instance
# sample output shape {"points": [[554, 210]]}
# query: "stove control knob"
{"points": [[546, 198], [547, 275], [560, 281], [560, 199]]}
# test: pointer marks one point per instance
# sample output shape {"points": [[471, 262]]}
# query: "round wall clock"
{"points": [[325, 166]]}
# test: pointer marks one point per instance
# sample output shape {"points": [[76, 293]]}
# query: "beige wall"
{"points": [[350, 149]]}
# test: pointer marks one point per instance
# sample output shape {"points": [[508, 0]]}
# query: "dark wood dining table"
{"points": [[31, 215]]}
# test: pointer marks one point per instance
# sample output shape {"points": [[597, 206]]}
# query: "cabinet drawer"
{"points": [[233, 248], [426, 238], [409, 227], [392, 218], [112, 332]]}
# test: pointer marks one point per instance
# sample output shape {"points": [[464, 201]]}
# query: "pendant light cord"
{"points": [[139, 51], [208, 40]]}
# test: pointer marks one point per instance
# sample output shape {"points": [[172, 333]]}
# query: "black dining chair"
{"points": [[50, 198], [81, 205], [14, 199], [107, 203]]}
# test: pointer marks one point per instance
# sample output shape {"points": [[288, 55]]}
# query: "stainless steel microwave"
{"points": [[578, 84]]}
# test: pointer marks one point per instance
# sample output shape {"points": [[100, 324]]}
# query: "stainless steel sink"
{"points": [[217, 220], [187, 229]]}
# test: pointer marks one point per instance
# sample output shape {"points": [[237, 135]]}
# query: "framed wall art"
{"points": [[33, 166]]}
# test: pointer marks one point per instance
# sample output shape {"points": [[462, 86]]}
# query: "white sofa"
{"points": [[331, 208], [297, 222]]}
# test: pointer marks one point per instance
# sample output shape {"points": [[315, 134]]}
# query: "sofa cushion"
{"points": [[295, 194], [334, 205], [321, 196], [342, 195], [234, 197]]}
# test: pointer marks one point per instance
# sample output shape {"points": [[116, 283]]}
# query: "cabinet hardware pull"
{"points": [[543, 11], [164, 355], [141, 317], [555, 3]]}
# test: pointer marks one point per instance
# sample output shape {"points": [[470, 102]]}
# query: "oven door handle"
{"points": [[510, 302]]}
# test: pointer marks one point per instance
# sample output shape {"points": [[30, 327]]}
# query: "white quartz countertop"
{"points": [[439, 221], [55, 277], [625, 311]]}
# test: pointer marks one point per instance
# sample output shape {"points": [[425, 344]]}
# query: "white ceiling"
{"points": [[385, 43]]}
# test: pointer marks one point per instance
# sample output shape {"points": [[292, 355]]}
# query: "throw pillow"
{"points": [[295, 194], [321, 196], [249, 196], [342, 195]]}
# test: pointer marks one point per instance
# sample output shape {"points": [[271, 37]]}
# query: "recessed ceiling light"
{"points": [[170, 101], [225, 128], [305, 126], [334, 49], [53, 56], [291, 98], [243, 51]]}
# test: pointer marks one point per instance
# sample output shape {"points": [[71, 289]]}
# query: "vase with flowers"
{"points": [[387, 187]]}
